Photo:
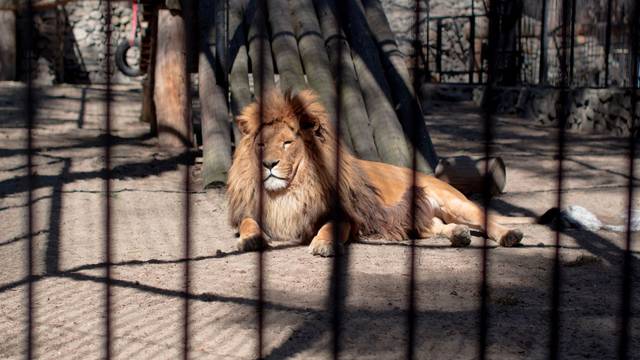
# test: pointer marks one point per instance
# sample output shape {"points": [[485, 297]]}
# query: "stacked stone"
{"points": [[82, 44]]}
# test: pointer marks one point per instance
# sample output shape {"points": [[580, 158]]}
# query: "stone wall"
{"points": [[70, 42]]}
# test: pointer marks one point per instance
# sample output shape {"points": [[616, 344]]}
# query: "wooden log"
{"points": [[316, 60], [239, 60], [466, 174], [389, 136], [408, 107], [171, 90], [353, 110], [7, 45], [216, 136], [259, 47], [148, 86], [285, 46]]}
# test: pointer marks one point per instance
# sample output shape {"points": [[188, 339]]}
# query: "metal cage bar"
{"points": [[108, 324]]}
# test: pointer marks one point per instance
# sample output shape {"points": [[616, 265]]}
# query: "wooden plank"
{"points": [[353, 110], [7, 45], [316, 60], [148, 86], [259, 47], [171, 90], [216, 136], [285, 46], [239, 60], [405, 100], [389, 136]]}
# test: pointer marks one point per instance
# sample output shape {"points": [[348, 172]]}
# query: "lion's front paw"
{"points": [[511, 238], [253, 242], [460, 236], [321, 247]]}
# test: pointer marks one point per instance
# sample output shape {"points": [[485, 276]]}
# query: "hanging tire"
{"points": [[121, 58]]}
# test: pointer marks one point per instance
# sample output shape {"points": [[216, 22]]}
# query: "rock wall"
{"points": [[70, 42]]}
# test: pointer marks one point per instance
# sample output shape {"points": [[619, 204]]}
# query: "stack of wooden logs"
{"points": [[302, 43]]}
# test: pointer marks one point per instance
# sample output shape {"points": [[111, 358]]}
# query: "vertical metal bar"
{"points": [[572, 42], [107, 184], [542, 71], [607, 44], [427, 70], [488, 106], [187, 13], [338, 280], [439, 46], [260, 286], [411, 312], [627, 269], [472, 43], [29, 110], [554, 331]]}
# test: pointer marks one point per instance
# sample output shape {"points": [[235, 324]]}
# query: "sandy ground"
{"points": [[148, 294]]}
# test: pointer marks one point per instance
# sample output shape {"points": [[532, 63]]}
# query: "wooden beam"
{"points": [[7, 45], [389, 136], [353, 110], [316, 60], [400, 82], [239, 60], [171, 90], [258, 41], [285, 46], [216, 136]]}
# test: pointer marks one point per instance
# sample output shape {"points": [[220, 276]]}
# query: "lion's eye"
{"points": [[287, 143]]}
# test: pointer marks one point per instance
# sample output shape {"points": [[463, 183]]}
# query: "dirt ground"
{"points": [[148, 294]]}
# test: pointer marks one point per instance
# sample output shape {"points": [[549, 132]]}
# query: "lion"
{"points": [[299, 181]]}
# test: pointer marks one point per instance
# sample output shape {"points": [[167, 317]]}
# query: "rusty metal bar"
{"points": [[607, 43], [107, 185], [29, 111], [542, 71], [555, 318], [627, 263]]}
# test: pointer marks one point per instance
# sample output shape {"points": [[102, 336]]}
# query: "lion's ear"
{"points": [[248, 120], [310, 113]]}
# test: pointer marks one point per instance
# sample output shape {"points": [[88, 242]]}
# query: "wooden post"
{"points": [[216, 136], [7, 45], [171, 90], [148, 106]]}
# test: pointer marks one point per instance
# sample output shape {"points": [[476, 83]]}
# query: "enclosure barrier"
{"points": [[339, 285]]}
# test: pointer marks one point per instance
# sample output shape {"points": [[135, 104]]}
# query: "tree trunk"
{"points": [[7, 45], [171, 91], [216, 132]]}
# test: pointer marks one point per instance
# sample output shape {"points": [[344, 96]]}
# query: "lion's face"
{"points": [[282, 151]]}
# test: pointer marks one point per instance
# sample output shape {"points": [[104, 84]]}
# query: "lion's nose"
{"points": [[270, 164]]}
